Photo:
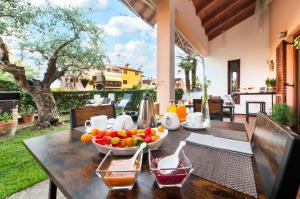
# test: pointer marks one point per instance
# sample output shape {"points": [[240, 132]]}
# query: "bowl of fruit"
{"points": [[125, 142]]}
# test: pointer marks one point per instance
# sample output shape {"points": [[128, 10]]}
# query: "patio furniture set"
{"points": [[268, 170]]}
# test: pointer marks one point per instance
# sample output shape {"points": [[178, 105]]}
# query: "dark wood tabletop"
{"points": [[71, 164]]}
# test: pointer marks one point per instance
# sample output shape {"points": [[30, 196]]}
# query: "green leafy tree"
{"points": [[54, 38], [187, 64], [193, 61]]}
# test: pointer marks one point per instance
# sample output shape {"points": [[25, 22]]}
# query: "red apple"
{"points": [[148, 131], [114, 134], [128, 133], [148, 139]]}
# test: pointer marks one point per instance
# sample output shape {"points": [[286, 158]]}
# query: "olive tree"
{"points": [[55, 40]]}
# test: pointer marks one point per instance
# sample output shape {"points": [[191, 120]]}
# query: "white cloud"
{"points": [[136, 53], [94, 4], [119, 25]]}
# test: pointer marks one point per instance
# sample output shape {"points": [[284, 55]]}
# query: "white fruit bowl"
{"points": [[131, 150]]}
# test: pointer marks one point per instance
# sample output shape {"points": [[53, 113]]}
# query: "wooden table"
{"points": [[231, 111], [259, 93], [71, 164]]}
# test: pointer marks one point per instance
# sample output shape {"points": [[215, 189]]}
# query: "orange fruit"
{"points": [[153, 132], [129, 141], [123, 142], [161, 128], [94, 131], [133, 131], [154, 138], [140, 131], [107, 132], [86, 137]]}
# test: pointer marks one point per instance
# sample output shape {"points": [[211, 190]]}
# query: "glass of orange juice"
{"points": [[181, 111]]}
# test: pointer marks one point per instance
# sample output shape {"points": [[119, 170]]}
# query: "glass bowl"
{"points": [[117, 176], [172, 177]]}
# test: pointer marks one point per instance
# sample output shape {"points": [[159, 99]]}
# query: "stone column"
{"points": [[165, 53]]}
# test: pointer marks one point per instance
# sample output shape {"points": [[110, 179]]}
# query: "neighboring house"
{"points": [[110, 78], [131, 77], [149, 83], [179, 83]]}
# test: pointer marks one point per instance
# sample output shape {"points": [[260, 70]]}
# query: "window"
{"points": [[124, 81], [136, 73], [234, 78], [124, 71]]}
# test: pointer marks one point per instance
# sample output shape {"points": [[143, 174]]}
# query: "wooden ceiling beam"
{"points": [[227, 14], [145, 7], [203, 5], [239, 17], [219, 7]]}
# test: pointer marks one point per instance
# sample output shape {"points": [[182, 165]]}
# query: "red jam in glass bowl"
{"points": [[170, 178], [174, 177]]}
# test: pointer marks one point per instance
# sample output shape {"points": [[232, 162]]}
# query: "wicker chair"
{"points": [[276, 153], [215, 107], [78, 116]]}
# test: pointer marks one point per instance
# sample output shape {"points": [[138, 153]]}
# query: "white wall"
{"points": [[247, 41]]}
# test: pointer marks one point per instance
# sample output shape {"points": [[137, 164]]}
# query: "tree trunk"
{"points": [[193, 78], [47, 111], [187, 80]]}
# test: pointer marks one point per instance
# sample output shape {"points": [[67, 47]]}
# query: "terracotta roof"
{"points": [[131, 69]]}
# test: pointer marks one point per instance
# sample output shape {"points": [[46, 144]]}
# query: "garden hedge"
{"points": [[65, 100]]}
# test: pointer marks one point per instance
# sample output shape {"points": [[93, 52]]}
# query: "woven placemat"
{"points": [[229, 169]]}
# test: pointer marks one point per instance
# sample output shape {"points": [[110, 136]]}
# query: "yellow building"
{"points": [[131, 77], [110, 78]]}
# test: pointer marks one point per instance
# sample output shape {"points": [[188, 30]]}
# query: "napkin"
{"points": [[220, 143]]}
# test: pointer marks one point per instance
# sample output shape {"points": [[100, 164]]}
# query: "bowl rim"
{"points": [[189, 164], [166, 132], [98, 170]]}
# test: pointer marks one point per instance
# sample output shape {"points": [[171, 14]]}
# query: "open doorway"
{"points": [[233, 78]]}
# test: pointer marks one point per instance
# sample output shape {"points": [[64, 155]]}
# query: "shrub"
{"points": [[5, 117], [283, 114], [178, 94], [8, 85], [65, 100]]}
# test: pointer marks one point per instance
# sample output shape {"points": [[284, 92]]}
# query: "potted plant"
{"points": [[270, 83], [7, 124], [84, 82], [283, 114], [27, 112], [296, 42]]}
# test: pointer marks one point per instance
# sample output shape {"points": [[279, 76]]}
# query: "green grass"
{"points": [[18, 169]]}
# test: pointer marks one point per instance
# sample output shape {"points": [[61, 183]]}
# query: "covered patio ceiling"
{"points": [[216, 16]]}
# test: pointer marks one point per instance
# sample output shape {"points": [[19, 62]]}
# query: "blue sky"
{"points": [[128, 39]]}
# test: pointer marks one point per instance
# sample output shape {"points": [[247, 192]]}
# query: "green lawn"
{"points": [[18, 169]]}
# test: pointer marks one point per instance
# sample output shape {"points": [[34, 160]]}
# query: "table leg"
{"points": [[52, 190], [272, 100], [231, 114]]}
